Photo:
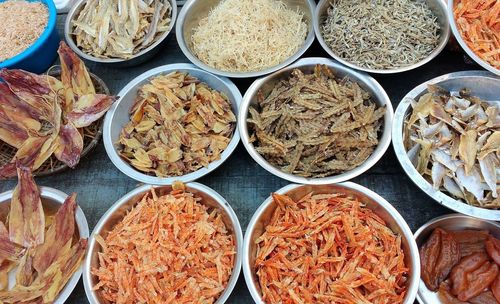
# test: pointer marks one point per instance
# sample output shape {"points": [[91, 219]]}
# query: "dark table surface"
{"points": [[240, 180]]}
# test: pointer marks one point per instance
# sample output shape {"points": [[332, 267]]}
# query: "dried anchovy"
{"points": [[177, 126], [315, 125], [381, 34]]}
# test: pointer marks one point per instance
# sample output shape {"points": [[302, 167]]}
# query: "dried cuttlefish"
{"points": [[120, 28], [41, 250], [315, 125], [453, 140], [41, 115], [177, 125]]}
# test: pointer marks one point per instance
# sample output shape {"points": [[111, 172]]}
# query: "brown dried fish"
{"points": [[177, 125], [120, 28], [315, 125], [454, 142]]}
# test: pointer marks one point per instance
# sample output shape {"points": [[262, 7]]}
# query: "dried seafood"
{"points": [[120, 28], [315, 125], [381, 34], [248, 35], [329, 248], [479, 25], [453, 140], [43, 250], [167, 249], [462, 266], [41, 115], [178, 125]]}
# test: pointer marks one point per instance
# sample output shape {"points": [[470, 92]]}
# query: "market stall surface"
{"points": [[240, 180]]}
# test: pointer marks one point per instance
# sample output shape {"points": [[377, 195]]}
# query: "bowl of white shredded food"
{"points": [[245, 38], [28, 36], [382, 36]]}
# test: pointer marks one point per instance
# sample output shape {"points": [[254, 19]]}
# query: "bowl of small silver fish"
{"points": [[383, 36], [122, 33], [446, 136]]}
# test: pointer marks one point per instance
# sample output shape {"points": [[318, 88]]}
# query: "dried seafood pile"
{"points": [[120, 28], [41, 115], [178, 125], [381, 34], [189, 257], [454, 142], [43, 250], [315, 125], [329, 248]]}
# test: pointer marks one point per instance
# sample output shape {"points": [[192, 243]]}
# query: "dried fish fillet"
{"points": [[329, 248], [178, 125], [316, 125], [462, 151], [120, 28]]}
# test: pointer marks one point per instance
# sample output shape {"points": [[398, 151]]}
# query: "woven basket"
{"points": [[91, 135]]}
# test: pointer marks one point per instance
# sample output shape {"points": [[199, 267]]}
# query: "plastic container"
{"points": [[41, 55]]}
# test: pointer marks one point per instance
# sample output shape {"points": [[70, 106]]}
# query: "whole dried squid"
{"points": [[453, 140]]}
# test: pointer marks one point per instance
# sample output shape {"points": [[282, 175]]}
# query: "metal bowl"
{"points": [[465, 47], [482, 84], [437, 6], [267, 83], [448, 222], [52, 199], [195, 10], [379, 205], [119, 209], [136, 59], [118, 116]]}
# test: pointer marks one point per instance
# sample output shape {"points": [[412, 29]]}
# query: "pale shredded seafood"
{"points": [[177, 126], [168, 249], [329, 248], [23, 23], [315, 125], [249, 35], [381, 34], [453, 140], [120, 28]]}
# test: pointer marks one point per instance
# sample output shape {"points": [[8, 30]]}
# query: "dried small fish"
{"points": [[297, 141], [462, 154], [120, 28], [178, 125]]}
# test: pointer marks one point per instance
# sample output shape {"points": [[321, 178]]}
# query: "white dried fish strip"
{"points": [[381, 34], [120, 28]]}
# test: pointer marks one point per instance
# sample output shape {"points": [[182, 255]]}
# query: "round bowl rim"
{"points": [[412, 173], [384, 142], [192, 58], [69, 39], [223, 204], [465, 47], [128, 170], [51, 24], [83, 230], [398, 218], [431, 56]]}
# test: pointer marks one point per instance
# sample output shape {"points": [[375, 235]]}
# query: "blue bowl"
{"points": [[41, 55]]}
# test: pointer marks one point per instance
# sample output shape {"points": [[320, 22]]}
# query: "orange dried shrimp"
{"points": [[479, 25], [329, 248], [167, 249]]}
